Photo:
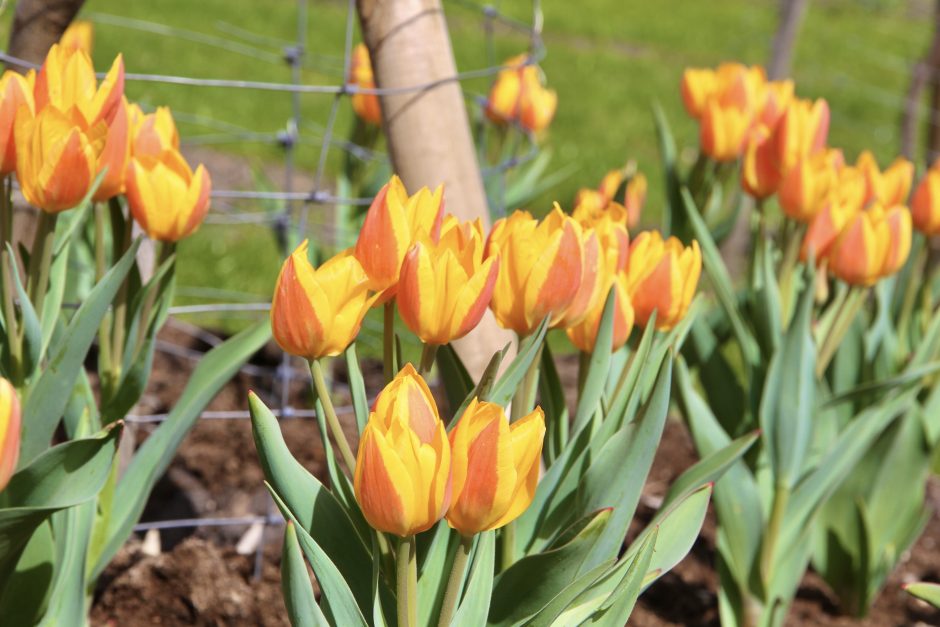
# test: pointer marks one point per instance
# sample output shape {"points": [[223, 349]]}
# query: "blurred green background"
{"points": [[608, 60]]}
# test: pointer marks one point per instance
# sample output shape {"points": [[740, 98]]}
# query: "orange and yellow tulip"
{"points": [[317, 312], [760, 172], [392, 225], [925, 205], [662, 276], [540, 267], [731, 84], [610, 226], [366, 106], [16, 90], [723, 131], [890, 187], [584, 334], [168, 199], [807, 185], [537, 104], [859, 252], [55, 159], [445, 287], [494, 468], [634, 198], [898, 219], [9, 431], [825, 226], [403, 469], [152, 134], [113, 159], [517, 95], [67, 82], [80, 35]]}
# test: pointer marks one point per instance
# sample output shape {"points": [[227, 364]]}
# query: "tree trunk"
{"points": [[428, 131], [791, 17], [37, 25]]}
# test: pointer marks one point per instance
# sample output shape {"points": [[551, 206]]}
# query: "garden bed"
{"points": [[200, 579]]}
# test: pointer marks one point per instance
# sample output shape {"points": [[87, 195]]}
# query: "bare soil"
{"points": [[199, 578]]}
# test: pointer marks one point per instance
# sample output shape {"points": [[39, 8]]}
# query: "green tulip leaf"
{"points": [[302, 608]]}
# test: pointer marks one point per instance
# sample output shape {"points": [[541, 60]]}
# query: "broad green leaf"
{"points": [[721, 281], [553, 403], [153, 457], [788, 401], [47, 400], [435, 558], [720, 383], [475, 603], [598, 367], [617, 476], [61, 477], [529, 351], [768, 324], [929, 592], [551, 613], [357, 387], [317, 510], [302, 608], [71, 528], [530, 584], [341, 604], [673, 216], [618, 606], [24, 599]]}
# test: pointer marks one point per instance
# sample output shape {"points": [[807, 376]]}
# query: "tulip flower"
{"points": [[925, 206], [584, 334], [16, 90], [114, 158], [890, 187], [610, 226], [859, 252], [517, 95], [495, 467], [55, 159], [9, 431], [152, 134], [317, 312], [445, 287], [366, 106], [392, 225], [898, 219], [634, 198], [825, 227], [731, 84], [403, 468], [760, 171], [540, 267], [662, 277], [67, 81], [168, 199], [723, 131], [78, 36], [774, 98], [807, 185]]}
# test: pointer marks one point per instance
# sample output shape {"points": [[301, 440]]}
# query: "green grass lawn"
{"points": [[608, 60]]}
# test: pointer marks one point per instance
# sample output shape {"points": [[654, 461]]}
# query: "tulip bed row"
{"points": [[815, 416]]}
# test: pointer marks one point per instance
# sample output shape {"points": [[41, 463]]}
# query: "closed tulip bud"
{"points": [[634, 199], [55, 160], [392, 225], [16, 90], [760, 171], [825, 227], [445, 287], [723, 131], [495, 467], [67, 82], [9, 432], [366, 106], [898, 219], [925, 206], [584, 334], [537, 104], [317, 312], [503, 103], [539, 268], [403, 468], [859, 252], [152, 134], [806, 186], [114, 158], [662, 277], [168, 199], [79, 35]]}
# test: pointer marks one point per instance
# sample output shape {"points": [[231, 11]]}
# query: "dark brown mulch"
{"points": [[200, 579]]}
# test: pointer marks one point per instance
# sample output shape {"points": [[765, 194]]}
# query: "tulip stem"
{"points": [[166, 250], [840, 326], [407, 592], [455, 583], [791, 255], [428, 353], [104, 330], [769, 547], [509, 545], [40, 260], [120, 307], [523, 401], [388, 340], [323, 393]]}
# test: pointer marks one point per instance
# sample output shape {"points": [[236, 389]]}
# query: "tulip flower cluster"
{"points": [[517, 95], [60, 129]]}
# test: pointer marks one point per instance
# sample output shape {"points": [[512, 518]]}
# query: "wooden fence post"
{"points": [[428, 131]]}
